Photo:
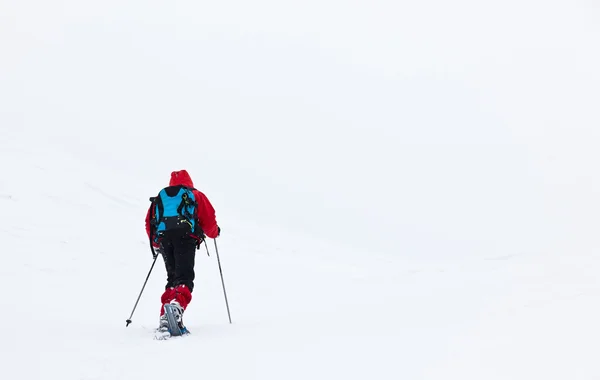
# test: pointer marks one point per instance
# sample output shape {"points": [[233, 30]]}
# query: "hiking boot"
{"points": [[163, 324], [178, 313], [162, 332]]}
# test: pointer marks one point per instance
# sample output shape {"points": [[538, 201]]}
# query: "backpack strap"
{"points": [[155, 202], [187, 202], [198, 233]]}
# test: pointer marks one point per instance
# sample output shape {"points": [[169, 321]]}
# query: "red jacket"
{"points": [[205, 211]]}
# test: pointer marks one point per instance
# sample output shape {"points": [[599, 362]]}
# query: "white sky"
{"points": [[409, 127]]}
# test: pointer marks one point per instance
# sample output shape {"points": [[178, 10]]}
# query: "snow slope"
{"points": [[406, 190]]}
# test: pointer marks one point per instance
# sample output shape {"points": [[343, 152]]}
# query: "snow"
{"points": [[407, 190]]}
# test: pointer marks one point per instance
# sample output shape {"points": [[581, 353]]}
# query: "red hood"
{"points": [[181, 177]]}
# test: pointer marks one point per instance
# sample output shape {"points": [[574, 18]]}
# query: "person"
{"points": [[177, 222]]}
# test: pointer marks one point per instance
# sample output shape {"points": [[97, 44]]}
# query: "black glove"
{"points": [[157, 251]]}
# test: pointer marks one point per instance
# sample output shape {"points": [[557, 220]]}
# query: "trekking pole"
{"points": [[147, 277], [223, 282]]}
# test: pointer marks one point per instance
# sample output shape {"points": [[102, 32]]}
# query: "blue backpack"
{"points": [[174, 213]]}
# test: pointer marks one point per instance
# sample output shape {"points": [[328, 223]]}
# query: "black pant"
{"points": [[179, 255]]}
